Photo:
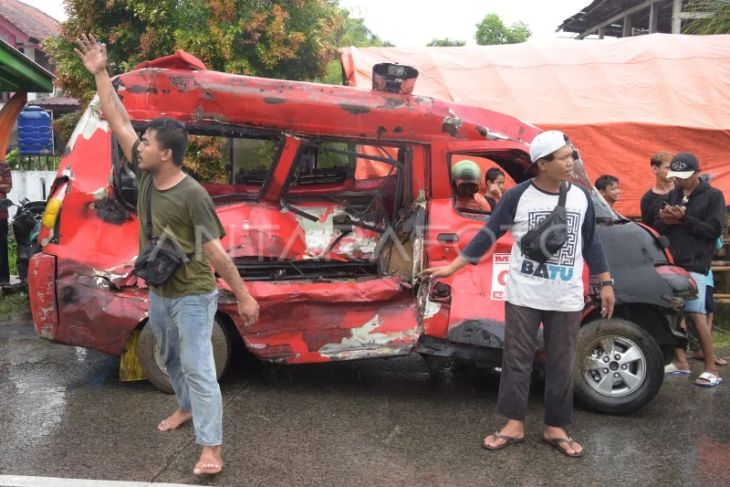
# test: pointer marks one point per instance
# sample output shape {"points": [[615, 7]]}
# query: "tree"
{"points": [[355, 33], [717, 20], [445, 42], [289, 39], [491, 30]]}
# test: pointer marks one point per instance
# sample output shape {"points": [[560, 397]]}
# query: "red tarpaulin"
{"points": [[620, 100]]}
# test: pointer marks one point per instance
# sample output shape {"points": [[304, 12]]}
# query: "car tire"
{"points": [[620, 367], [154, 370]]}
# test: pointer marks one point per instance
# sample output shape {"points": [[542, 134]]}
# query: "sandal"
{"points": [[710, 380], [557, 443], [508, 440], [672, 369]]}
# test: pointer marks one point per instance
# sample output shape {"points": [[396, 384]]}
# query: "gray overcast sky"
{"points": [[408, 23]]}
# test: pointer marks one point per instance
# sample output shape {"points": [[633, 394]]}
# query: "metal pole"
{"points": [[653, 18], [627, 26], [676, 19]]}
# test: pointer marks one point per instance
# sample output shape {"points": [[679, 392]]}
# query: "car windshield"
{"points": [[603, 210]]}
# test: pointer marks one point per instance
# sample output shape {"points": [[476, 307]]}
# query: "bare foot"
{"points": [[513, 429], [570, 448], [179, 417], [718, 360], [210, 462]]}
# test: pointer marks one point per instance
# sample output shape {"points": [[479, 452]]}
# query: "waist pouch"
{"points": [[158, 262], [160, 258], [547, 237]]}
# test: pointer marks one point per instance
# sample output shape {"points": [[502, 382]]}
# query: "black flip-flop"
{"points": [[558, 442], [508, 440]]}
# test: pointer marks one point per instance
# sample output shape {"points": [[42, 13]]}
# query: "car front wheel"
{"points": [[154, 368], [620, 366]]}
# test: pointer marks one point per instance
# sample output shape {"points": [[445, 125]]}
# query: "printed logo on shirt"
{"points": [[559, 266]]}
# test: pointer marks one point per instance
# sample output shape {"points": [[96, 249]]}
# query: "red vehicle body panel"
{"points": [[85, 293]]}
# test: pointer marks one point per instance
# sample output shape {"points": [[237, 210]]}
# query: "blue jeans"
{"points": [[183, 328]]}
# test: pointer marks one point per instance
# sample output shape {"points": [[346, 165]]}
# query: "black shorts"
{"points": [[710, 299]]}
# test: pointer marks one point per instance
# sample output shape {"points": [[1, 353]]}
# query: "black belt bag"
{"points": [[546, 238], [161, 257]]}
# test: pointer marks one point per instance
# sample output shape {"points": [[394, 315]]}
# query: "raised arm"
{"points": [[93, 54]]}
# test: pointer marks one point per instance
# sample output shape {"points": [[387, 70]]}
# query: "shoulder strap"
{"points": [[148, 226], [563, 194]]}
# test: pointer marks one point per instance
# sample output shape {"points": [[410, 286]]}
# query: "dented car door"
{"points": [[333, 291]]}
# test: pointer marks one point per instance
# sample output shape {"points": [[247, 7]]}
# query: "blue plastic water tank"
{"points": [[35, 132]]}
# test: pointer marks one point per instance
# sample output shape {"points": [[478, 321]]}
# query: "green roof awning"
{"points": [[19, 73]]}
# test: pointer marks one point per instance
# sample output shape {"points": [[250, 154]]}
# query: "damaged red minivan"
{"points": [[333, 200]]}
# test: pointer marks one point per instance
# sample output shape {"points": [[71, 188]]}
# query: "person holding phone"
{"points": [[656, 198], [693, 220]]}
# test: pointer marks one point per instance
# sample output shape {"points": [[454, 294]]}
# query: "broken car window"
{"points": [[227, 161]]}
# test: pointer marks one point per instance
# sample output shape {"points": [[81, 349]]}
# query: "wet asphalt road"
{"points": [[64, 414]]}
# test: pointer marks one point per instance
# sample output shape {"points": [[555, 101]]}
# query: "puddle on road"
{"points": [[37, 376]]}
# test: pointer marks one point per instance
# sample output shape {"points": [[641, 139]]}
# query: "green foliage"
{"points": [[445, 42], [12, 253], [491, 30], [12, 158], [721, 339], [204, 159], [354, 33], [64, 125], [290, 39], [14, 306], [717, 23]]}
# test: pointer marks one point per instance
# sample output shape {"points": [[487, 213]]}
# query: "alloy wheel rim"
{"points": [[615, 366]]}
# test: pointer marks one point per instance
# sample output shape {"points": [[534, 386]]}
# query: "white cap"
{"points": [[546, 143]]}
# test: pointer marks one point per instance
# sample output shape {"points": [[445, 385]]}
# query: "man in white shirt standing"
{"points": [[550, 293]]}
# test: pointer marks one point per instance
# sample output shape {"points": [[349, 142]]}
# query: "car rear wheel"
{"points": [[620, 366], [154, 369]]}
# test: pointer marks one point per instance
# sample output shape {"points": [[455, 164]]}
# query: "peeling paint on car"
{"points": [[432, 309], [101, 194], [354, 109], [320, 235], [451, 124], [90, 122], [365, 342]]}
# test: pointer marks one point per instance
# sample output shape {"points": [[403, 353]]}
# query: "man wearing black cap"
{"points": [[693, 219]]}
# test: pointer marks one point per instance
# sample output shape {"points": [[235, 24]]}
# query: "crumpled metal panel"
{"points": [[201, 95], [42, 294], [92, 314], [330, 330]]}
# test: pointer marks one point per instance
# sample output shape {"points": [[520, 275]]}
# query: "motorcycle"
{"points": [[26, 226]]}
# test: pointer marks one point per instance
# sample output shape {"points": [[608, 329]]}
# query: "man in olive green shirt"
{"points": [[173, 211], [182, 310]]}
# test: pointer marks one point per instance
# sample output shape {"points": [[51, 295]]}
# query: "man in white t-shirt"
{"points": [[550, 293]]}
